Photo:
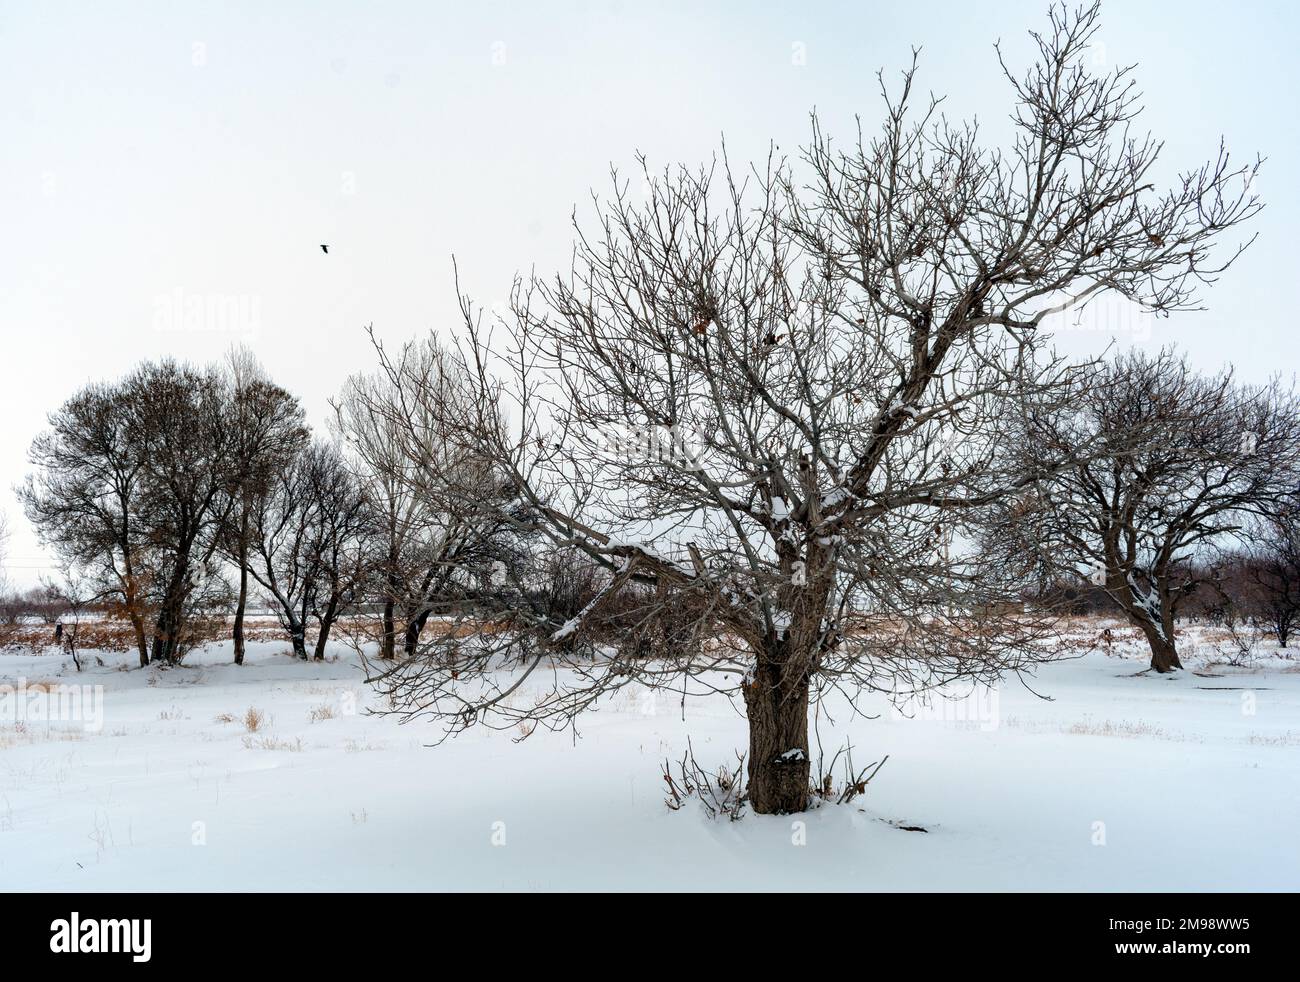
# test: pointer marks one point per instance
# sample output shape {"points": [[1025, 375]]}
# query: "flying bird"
{"points": [[325, 249]]}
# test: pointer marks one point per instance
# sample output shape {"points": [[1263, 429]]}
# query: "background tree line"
{"points": [[180, 492], [891, 456]]}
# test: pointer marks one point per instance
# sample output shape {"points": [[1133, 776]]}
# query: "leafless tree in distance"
{"points": [[1273, 565], [132, 486], [84, 495], [4, 553], [431, 502], [1183, 463], [287, 529], [76, 593], [180, 416], [342, 519], [267, 431]]}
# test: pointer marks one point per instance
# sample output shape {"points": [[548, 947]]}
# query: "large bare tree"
{"points": [[774, 407]]}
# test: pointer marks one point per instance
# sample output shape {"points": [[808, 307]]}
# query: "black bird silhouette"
{"points": [[325, 249]]}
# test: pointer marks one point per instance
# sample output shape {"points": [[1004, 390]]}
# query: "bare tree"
{"points": [[4, 547], [266, 432], [1273, 566], [181, 418], [396, 511], [400, 426], [773, 410], [77, 594], [305, 543], [341, 521], [285, 527], [1185, 460], [84, 497], [148, 482]]}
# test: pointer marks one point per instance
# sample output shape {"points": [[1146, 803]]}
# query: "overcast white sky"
{"points": [[155, 152]]}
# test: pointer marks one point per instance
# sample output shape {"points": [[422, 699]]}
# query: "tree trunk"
{"points": [[171, 613], [242, 604], [298, 636], [141, 639], [414, 627], [165, 635], [131, 600], [1164, 656], [388, 645], [1152, 611], [778, 739], [326, 622]]}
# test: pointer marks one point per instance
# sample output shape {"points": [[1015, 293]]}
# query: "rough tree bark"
{"points": [[298, 638], [388, 644], [166, 637], [131, 601], [777, 708], [326, 624], [414, 627], [242, 603], [1164, 654]]}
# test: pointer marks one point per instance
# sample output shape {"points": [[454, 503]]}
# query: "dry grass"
{"points": [[1291, 738], [1123, 728], [22, 734], [273, 743], [40, 685], [107, 635], [321, 689], [254, 720], [322, 712], [116, 634], [462, 629], [224, 718]]}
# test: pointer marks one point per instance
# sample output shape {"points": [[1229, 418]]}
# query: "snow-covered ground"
{"points": [[1120, 782]]}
